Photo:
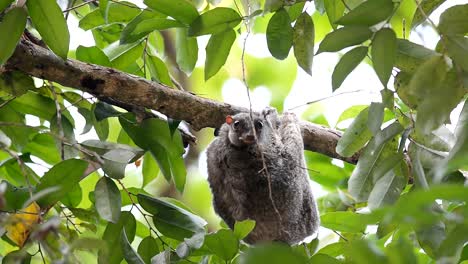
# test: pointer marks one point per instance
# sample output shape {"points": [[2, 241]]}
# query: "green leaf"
{"points": [[279, 34], [430, 237], [186, 51], [243, 228], [334, 9], [223, 243], [411, 55], [363, 178], [375, 117], [389, 186], [303, 42], [15, 83], [112, 237], [295, 10], [13, 196], [364, 251], [12, 25], [171, 220], [158, 71], [383, 53], [181, 10], [217, 52], [452, 246], [73, 198], [150, 169], [347, 221], [147, 26], [355, 136], [131, 34], [344, 37], [184, 249], [123, 56], [214, 21], [148, 248], [346, 65], [427, 6], [457, 155], [454, 20], [108, 201], [114, 13], [324, 259], [368, 13], [65, 175], [334, 249], [92, 55], [154, 135], [4, 4], [457, 47], [50, 23], [272, 254], [129, 253], [104, 110], [400, 250]]}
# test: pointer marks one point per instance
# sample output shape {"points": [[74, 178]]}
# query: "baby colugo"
{"points": [[256, 170]]}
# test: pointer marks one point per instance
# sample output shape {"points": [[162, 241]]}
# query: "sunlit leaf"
{"points": [[279, 34], [64, 175], [272, 254], [49, 21], [223, 243], [217, 51], [457, 47], [344, 37], [4, 4], [243, 228], [346, 221], [158, 70], [12, 25], [303, 42], [383, 53], [334, 10], [108, 201], [346, 65], [427, 7], [375, 117], [150, 169], [355, 136], [454, 20], [181, 10], [92, 55], [368, 13], [364, 251], [214, 21], [186, 50], [362, 179], [411, 55]]}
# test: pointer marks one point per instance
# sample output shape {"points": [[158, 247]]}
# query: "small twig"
{"points": [[59, 121], [22, 167], [346, 5], [7, 101], [325, 98], [144, 215], [342, 237], [79, 5]]}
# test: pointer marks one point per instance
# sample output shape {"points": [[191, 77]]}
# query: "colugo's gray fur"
{"points": [[239, 181]]}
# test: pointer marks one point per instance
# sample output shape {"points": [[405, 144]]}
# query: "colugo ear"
{"points": [[229, 120]]}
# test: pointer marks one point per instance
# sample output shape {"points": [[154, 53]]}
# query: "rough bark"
{"points": [[104, 82]]}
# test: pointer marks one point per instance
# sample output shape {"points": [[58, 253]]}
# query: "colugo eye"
{"points": [[258, 124], [236, 124]]}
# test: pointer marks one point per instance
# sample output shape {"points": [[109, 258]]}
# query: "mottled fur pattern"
{"points": [[239, 181]]}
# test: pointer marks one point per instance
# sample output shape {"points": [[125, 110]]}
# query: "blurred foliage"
{"points": [[83, 180]]}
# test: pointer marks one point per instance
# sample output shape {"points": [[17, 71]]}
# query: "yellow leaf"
{"points": [[19, 225]]}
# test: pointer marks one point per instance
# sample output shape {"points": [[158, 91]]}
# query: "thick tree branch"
{"points": [[104, 82]]}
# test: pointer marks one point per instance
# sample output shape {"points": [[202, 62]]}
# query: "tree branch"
{"points": [[104, 82]]}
